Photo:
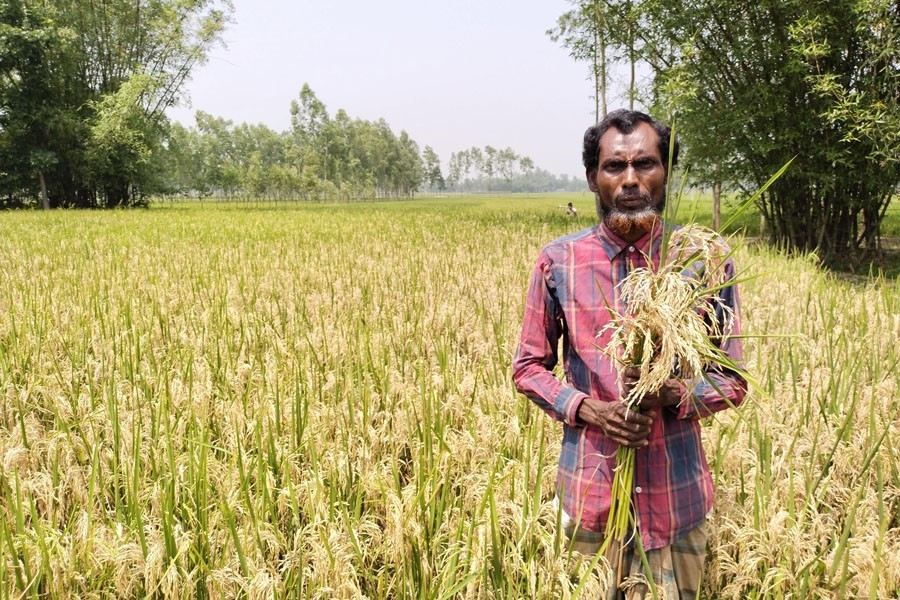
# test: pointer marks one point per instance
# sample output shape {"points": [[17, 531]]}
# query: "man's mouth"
{"points": [[632, 201]]}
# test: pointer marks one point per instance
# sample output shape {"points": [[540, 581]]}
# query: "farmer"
{"points": [[625, 157], [571, 211]]}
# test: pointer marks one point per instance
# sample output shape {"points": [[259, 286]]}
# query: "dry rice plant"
{"points": [[663, 328], [314, 402]]}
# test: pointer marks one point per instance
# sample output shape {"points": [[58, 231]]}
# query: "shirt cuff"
{"points": [[567, 404]]}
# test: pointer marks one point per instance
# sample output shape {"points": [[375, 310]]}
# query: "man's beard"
{"points": [[626, 222]]}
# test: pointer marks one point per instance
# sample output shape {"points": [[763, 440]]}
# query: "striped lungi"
{"points": [[677, 569]]}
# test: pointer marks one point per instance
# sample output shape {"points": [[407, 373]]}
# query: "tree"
{"points": [[73, 73], [749, 86], [35, 134], [753, 85], [505, 162], [121, 144], [410, 170], [433, 174], [215, 153], [583, 31], [488, 164], [182, 162], [454, 170], [308, 120]]}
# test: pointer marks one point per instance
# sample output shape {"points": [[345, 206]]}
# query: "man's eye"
{"points": [[614, 166], [644, 164]]}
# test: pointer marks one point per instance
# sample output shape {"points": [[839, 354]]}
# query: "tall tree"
{"points": [[753, 85], [84, 87], [308, 120], [750, 86], [432, 166], [583, 30]]}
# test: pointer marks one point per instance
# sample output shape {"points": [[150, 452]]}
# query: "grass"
{"points": [[314, 402]]}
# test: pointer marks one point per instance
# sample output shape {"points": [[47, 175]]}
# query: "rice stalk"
{"points": [[667, 329]]}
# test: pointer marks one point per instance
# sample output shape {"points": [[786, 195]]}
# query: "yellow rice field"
{"points": [[315, 402]]}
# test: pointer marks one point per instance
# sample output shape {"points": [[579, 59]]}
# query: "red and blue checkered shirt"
{"points": [[673, 489]]}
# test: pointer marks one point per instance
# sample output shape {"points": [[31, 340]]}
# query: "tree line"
{"points": [[84, 87], [318, 157], [331, 158], [750, 86], [503, 170]]}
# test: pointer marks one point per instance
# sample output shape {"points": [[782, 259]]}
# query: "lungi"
{"points": [[677, 569]]}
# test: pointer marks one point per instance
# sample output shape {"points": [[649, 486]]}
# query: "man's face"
{"points": [[629, 180]]}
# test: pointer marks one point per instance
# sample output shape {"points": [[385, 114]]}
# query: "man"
{"points": [[571, 211], [626, 159]]}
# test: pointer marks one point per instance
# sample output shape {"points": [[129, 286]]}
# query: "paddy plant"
{"points": [[314, 402]]}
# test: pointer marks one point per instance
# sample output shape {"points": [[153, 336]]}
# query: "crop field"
{"points": [[314, 401]]}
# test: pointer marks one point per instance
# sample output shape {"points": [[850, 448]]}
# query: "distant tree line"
{"points": [[332, 158], [319, 157], [502, 170]]}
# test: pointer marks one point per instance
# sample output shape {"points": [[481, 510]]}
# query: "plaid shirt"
{"points": [[673, 490]]}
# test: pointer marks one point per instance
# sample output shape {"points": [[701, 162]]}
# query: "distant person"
{"points": [[625, 160], [570, 210]]}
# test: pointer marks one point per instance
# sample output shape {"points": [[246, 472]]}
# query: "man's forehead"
{"points": [[643, 139]]}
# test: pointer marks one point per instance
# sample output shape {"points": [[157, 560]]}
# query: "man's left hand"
{"points": [[668, 395]]}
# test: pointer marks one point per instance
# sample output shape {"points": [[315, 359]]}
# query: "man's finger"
{"points": [[631, 416]]}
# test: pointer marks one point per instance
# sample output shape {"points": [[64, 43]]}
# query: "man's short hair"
{"points": [[625, 121]]}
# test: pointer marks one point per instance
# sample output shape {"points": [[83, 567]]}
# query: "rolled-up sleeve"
{"points": [[537, 352]]}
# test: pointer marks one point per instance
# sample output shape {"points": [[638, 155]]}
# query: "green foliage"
{"points": [[318, 158], [88, 83], [433, 169], [121, 142], [751, 85]]}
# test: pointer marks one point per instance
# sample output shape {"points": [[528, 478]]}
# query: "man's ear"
{"points": [[591, 176]]}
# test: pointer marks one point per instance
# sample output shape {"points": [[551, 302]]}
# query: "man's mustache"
{"points": [[625, 196]]}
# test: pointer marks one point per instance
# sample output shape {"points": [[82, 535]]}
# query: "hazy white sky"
{"points": [[453, 74]]}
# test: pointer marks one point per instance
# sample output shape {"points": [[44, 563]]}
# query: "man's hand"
{"points": [[619, 423], [669, 395]]}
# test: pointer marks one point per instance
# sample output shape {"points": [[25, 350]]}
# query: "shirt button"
{"points": [[638, 489], [631, 248]]}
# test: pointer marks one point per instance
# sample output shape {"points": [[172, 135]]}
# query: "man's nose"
{"points": [[630, 178]]}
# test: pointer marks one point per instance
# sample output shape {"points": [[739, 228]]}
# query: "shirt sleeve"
{"points": [[536, 355], [722, 388]]}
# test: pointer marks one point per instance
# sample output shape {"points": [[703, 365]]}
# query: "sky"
{"points": [[453, 74]]}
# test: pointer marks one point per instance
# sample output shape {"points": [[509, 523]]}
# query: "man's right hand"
{"points": [[618, 422]]}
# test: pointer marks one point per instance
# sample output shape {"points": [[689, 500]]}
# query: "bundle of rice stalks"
{"points": [[671, 327]]}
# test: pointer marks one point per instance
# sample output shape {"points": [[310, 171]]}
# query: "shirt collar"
{"points": [[613, 245]]}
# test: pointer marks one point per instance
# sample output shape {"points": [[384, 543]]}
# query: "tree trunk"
{"points": [[717, 205], [603, 76], [631, 57], [596, 69], [631, 90], [45, 199]]}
